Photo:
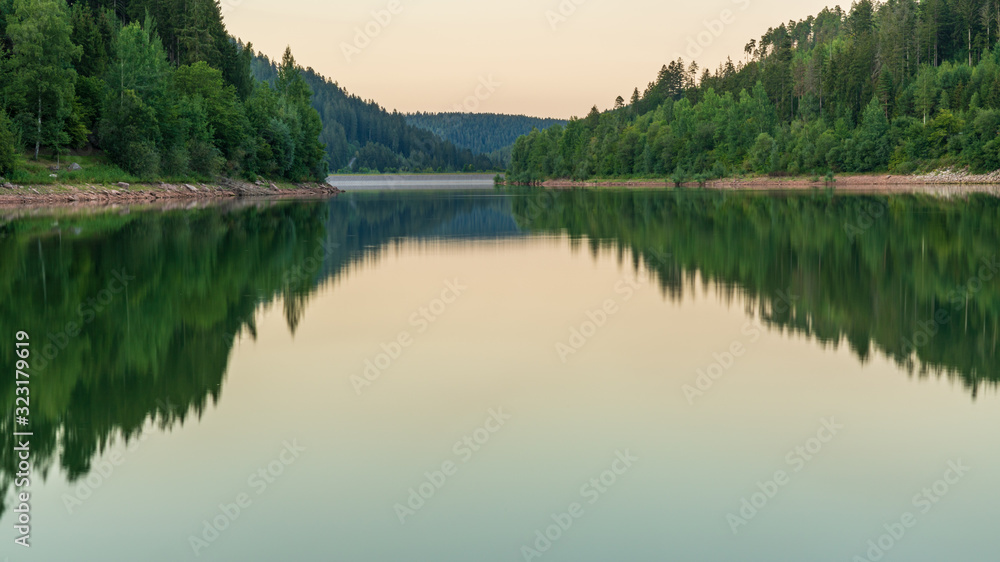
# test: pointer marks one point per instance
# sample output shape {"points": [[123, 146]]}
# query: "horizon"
{"points": [[371, 47]]}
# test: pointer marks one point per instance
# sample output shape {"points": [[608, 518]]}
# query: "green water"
{"points": [[449, 376]]}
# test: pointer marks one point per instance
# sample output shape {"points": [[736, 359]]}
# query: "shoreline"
{"points": [[92, 194], [859, 182]]}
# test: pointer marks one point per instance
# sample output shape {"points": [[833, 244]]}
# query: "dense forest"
{"points": [[159, 86], [361, 136], [492, 134], [901, 85]]}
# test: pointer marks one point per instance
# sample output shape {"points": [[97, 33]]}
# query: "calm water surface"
{"points": [[487, 376]]}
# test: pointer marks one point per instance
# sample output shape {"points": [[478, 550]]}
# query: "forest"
{"points": [[362, 137], [492, 134], [159, 87], [902, 86]]}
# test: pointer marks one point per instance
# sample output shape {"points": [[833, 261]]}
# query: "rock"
{"points": [[191, 188], [74, 167], [122, 185], [53, 175], [8, 186]]}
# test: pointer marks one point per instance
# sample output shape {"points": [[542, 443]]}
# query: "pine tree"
{"points": [[135, 104]]}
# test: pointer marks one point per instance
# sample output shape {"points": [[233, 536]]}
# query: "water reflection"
{"points": [[914, 277], [133, 315]]}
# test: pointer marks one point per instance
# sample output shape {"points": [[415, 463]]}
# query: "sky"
{"points": [[544, 58]]}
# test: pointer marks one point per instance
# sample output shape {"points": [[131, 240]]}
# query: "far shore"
{"points": [[92, 194], [854, 182]]}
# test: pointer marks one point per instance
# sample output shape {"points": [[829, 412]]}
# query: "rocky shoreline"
{"points": [[943, 178], [19, 195]]}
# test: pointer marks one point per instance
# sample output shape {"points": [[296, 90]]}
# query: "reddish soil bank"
{"points": [[887, 182], [22, 195]]}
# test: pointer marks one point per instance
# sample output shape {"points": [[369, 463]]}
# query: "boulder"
{"points": [[191, 188], [74, 167], [122, 185]]}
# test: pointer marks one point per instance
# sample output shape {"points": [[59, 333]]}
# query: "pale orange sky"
{"points": [[516, 56]]}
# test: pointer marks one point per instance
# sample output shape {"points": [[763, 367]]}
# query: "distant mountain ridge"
{"points": [[482, 133], [362, 136]]}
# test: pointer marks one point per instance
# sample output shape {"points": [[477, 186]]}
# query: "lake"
{"points": [[507, 375], [423, 182]]}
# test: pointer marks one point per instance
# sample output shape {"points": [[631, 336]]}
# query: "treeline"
{"points": [[482, 133], [361, 136], [160, 86], [900, 85]]}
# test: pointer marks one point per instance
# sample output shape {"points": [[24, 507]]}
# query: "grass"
{"points": [[96, 170]]}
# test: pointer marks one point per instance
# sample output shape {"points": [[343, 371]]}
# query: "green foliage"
{"points": [[763, 154], [900, 85], [96, 169], [41, 71], [160, 87], [9, 145], [871, 140], [349, 124], [482, 133], [134, 100]]}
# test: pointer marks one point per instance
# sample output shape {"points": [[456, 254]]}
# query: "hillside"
{"points": [[898, 86], [159, 88], [482, 133], [362, 136]]}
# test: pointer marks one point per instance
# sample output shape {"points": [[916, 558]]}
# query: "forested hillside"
{"points": [[900, 85], [482, 133], [361, 136], [159, 86]]}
